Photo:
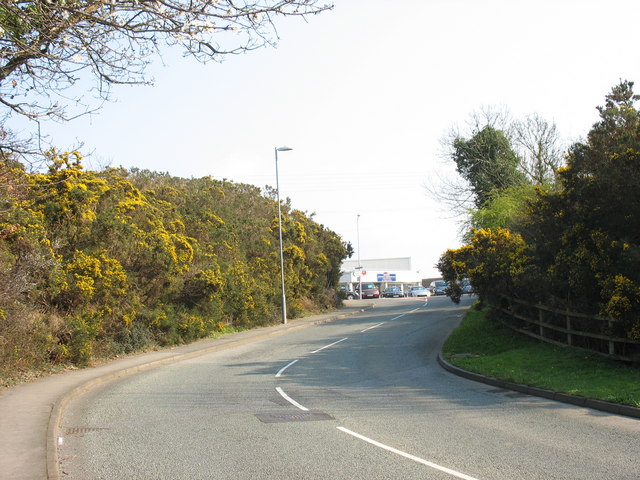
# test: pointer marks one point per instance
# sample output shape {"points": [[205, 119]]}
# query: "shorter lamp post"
{"points": [[284, 297]]}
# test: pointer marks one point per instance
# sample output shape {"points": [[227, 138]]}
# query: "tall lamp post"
{"points": [[284, 297], [359, 264]]}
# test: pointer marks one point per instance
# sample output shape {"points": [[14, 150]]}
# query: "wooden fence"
{"points": [[602, 335]]}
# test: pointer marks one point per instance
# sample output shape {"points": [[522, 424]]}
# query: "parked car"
{"points": [[419, 292], [466, 286], [438, 287], [369, 290], [393, 292], [348, 294]]}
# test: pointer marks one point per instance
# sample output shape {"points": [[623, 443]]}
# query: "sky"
{"points": [[364, 95]]}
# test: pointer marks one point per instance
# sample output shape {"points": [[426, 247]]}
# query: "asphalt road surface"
{"points": [[359, 398]]}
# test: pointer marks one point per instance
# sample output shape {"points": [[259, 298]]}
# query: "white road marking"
{"points": [[373, 326], [406, 455], [291, 400], [330, 345], [301, 407], [284, 368], [394, 318]]}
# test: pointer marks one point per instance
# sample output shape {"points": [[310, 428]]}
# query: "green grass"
{"points": [[496, 351]]}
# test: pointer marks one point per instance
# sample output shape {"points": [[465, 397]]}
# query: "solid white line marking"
{"points": [[291, 400], [330, 345], [406, 455], [284, 368], [373, 326]]}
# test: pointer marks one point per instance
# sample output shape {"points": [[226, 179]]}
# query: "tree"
{"points": [[584, 235], [601, 197], [487, 162], [486, 152], [455, 191], [48, 47], [504, 209], [538, 144], [494, 261]]}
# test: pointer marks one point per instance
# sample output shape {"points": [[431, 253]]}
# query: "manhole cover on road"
{"points": [[81, 430], [293, 417]]}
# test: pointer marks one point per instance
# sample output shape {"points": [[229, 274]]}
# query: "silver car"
{"points": [[439, 287], [419, 292]]}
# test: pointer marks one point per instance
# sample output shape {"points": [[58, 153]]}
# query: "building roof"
{"points": [[383, 264]]}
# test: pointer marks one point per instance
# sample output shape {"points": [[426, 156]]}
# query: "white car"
{"points": [[419, 292]]}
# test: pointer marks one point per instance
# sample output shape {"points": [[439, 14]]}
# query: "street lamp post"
{"points": [[284, 297], [359, 264]]}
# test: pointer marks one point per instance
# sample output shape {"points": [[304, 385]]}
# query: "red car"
{"points": [[369, 290]]}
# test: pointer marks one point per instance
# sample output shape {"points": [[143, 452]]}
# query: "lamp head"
{"points": [[284, 149]]}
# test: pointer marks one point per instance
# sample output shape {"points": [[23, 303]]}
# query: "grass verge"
{"points": [[484, 346]]}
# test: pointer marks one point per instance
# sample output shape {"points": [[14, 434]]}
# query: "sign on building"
{"points": [[386, 277]]}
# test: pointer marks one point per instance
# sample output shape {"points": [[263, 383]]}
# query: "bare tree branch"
{"points": [[540, 148], [47, 47], [535, 142]]}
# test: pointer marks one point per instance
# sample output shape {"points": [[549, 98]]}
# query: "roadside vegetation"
{"points": [[482, 345], [97, 264], [560, 231], [101, 263]]}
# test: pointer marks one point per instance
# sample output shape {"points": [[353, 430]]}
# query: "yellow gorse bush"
{"points": [[118, 259]]}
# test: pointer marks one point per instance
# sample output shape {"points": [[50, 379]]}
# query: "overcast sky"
{"points": [[364, 94]]}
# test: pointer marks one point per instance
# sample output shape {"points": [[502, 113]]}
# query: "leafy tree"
{"points": [[601, 178], [576, 243], [503, 209], [496, 156], [487, 162], [601, 198]]}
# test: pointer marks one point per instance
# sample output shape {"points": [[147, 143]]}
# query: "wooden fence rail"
{"points": [[602, 335]]}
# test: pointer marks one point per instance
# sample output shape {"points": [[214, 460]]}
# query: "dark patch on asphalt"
{"points": [[293, 417]]}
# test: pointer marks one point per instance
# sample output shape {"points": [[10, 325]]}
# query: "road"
{"points": [[359, 398]]}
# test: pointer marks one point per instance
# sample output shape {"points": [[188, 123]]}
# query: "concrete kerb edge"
{"points": [[58, 407], [626, 410]]}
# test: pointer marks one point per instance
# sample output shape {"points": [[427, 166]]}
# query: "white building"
{"points": [[384, 272]]}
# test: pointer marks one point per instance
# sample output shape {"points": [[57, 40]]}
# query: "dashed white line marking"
{"points": [[373, 326], [291, 400], [284, 368], [330, 345], [407, 455], [382, 323], [301, 407]]}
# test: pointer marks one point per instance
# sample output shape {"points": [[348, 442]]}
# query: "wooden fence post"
{"points": [[612, 347], [527, 327], [540, 319]]}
